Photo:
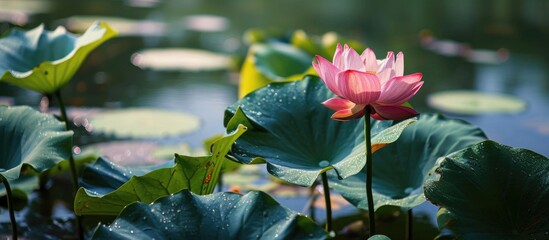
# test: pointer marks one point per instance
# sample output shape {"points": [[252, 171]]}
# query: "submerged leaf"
{"points": [[492, 191], [44, 60], [220, 216], [400, 169], [198, 174], [292, 131]]}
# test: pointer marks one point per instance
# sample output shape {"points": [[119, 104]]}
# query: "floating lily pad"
{"points": [[220, 216], [400, 169], [492, 191], [143, 123], [293, 133], [206, 23], [109, 189], [44, 60], [139, 153], [173, 59], [474, 102], [30, 141], [124, 26], [126, 153]]}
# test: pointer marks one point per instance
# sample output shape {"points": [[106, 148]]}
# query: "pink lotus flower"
{"points": [[362, 81]]}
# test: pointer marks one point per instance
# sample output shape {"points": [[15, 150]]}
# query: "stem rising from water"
{"points": [[369, 160]]}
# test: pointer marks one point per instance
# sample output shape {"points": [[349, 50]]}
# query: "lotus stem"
{"points": [[67, 126], [220, 182], [310, 205], [409, 225], [369, 160], [327, 199], [72, 164], [10, 207]]}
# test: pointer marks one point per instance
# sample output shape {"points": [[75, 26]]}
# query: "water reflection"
{"points": [[525, 77]]}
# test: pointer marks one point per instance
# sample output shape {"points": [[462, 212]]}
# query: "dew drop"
{"points": [[408, 190], [323, 164]]}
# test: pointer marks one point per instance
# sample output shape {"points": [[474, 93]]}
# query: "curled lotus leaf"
{"points": [[44, 60], [290, 130], [400, 169], [492, 191], [31, 141], [224, 215]]}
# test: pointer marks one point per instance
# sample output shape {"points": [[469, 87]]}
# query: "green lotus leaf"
{"points": [[44, 60], [219, 216], [474, 102], [107, 193], [400, 169], [292, 131], [270, 62], [492, 191], [143, 123], [30, 141]]}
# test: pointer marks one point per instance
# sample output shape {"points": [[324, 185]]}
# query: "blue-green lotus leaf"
{"points": [[492, 191], [44, 60], [219, 216], [30, 141], [400, 169], [292, 131]]}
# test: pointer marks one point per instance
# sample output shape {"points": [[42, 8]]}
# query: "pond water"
{"points": [[493, 46]]}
